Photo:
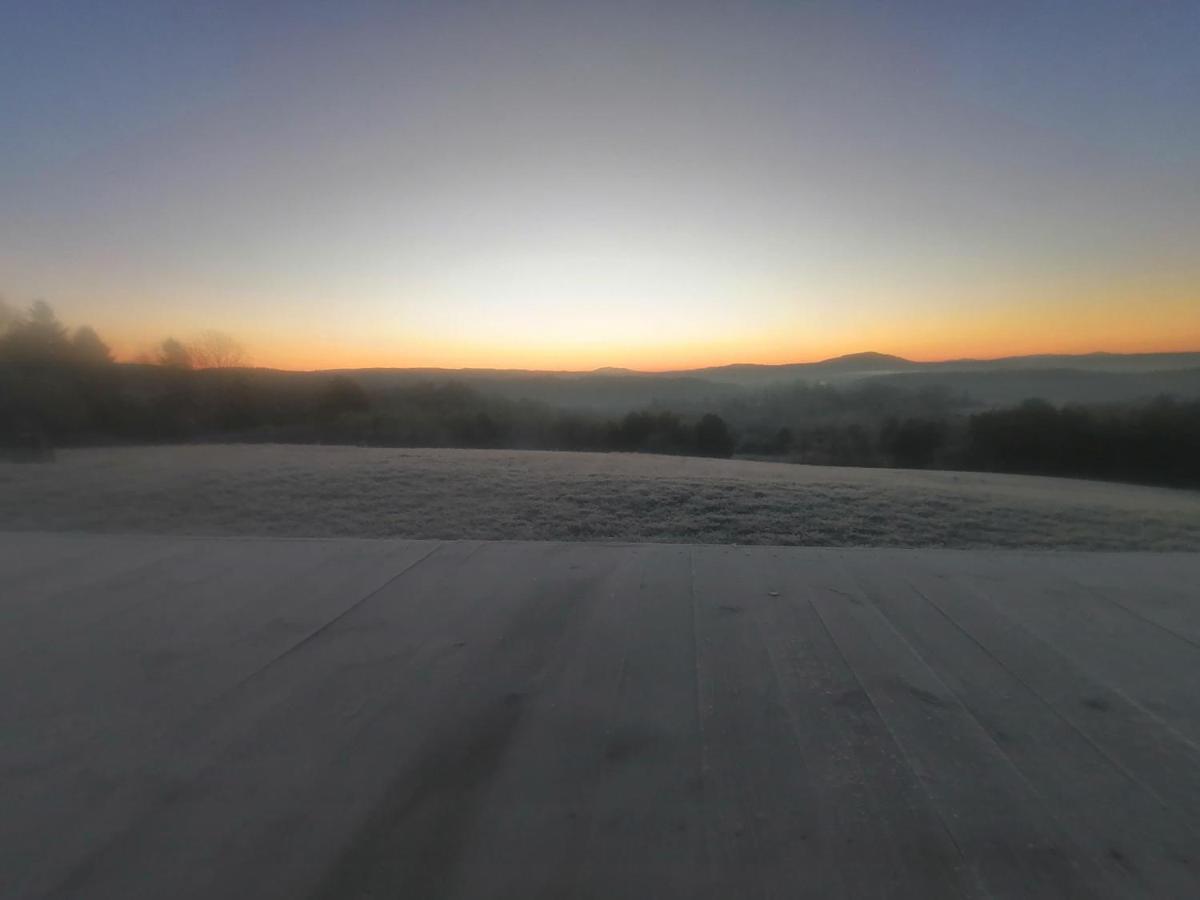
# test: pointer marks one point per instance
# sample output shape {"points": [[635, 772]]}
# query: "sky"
{"points": [[572, 185]]}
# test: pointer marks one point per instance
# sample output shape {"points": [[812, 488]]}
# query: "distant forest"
{"points": [[61, 387]]}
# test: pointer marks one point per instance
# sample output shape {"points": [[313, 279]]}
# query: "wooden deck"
{"points": [[195, 718]]}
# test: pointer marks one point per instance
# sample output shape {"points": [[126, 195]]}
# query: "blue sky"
{"points": [[570, 185]]}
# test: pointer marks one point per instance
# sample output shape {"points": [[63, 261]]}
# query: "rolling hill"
{"points": [[1088, 378]]}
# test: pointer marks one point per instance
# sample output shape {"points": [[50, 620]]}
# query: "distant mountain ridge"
{"points": [[1059, 378], [871, 363], [866, 362]]}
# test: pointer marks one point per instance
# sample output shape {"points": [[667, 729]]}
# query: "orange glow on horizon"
{"points": [[571, 187], [1049, 320], [322, 357]]}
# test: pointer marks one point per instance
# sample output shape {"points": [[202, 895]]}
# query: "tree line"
{"points": [[36, 337], [62, 386]]}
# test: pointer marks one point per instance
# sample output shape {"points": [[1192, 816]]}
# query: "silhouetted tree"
{"points": [[173, 354], [86, 347], [216, 350], [479, 430], [713, 437], [1156, 442], [912, 443], [342, 394], [36, 337], [236, 403], [8, 316], [633, 431], [653, 432]]}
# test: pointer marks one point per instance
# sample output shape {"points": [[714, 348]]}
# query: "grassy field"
{"points": [[351, 491]]}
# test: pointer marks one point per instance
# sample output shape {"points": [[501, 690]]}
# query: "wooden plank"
{"points": [[91, 711], [1136, 658], [1162, 589], [178, 632], [484, 802], [642, 832], [647, 829], [1006, 831], [80, 684], [1142, 845], [584, 757], [23, 554], [1163, 762], [57, 564], [219, 644], [770, 826], [871, 793], [375, 735], [292, 718]]}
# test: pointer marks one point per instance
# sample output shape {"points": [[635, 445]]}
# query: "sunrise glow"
{"points": [[571, 187]]}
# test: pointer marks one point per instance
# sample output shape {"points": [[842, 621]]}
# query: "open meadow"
{"points": [[325, 491]]}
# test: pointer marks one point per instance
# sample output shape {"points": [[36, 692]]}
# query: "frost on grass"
{"points": [[533, 495]]}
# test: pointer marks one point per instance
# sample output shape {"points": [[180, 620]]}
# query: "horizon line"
{"points": [[857, 355]]}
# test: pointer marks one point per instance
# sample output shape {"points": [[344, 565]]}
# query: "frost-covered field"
{"points": [[484, 494]]}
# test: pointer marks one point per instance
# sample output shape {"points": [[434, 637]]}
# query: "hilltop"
{"points": [[1083, 378], [307, 491]]}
